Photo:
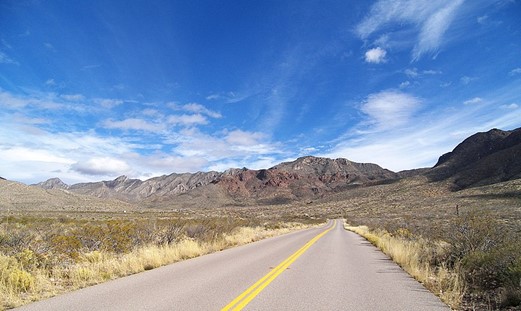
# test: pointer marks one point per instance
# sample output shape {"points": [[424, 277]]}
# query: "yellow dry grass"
{"points": [[18, 286], [415, 256]]}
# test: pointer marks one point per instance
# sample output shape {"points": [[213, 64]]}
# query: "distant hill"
{"points": [[18, 196], [482, 159]]}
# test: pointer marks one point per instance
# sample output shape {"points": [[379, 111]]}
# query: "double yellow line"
{"points": [[243, 299]]}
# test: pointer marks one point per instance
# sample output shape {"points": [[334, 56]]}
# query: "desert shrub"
{"points": [[170, 234], [473, 232], [15, 240], [27, 259], [20, 280], [483, 269], [119, 236], [91, 237], [68, 245]]}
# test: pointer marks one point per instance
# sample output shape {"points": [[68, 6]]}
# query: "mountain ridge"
{"points": [[481, 159]]}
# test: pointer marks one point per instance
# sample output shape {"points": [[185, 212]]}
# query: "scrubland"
{"points": [[44, 256], [463, 246]]}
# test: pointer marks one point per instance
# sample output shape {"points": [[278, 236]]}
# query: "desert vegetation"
{"points": [[472, 263], [44, 256]]}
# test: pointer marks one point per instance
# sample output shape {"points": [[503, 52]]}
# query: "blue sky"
{"points": [[90, 90]]}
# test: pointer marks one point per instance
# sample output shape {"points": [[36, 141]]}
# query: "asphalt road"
{"points": [[305, 270]]}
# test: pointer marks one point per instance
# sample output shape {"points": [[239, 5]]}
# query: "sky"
{"points": [[91, 90]]}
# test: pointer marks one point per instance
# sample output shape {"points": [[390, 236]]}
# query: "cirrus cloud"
{"points": [[429, 19]]}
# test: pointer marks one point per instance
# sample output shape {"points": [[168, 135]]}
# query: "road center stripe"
{"points": [[243, 299]]}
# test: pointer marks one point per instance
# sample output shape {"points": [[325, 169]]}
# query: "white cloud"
{"points": [[187, 119], [432, 72], [389, 109], [197, 108], [102, 166], [133, 124], [429, 19], [375, 56], [511, 106], [473, 101], [515, 71], [108, 102], [73, 97], [243, 138], [404, 84], [411, 72], [24, 154], [37, 101]]}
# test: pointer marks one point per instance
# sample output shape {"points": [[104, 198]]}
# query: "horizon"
{"points": [[89, 91]]}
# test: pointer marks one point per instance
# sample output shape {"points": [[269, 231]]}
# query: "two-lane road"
{"points": [[316, 269]]}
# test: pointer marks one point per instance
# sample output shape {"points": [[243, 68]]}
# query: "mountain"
{"points": [[15, 196], [134, 190], [304, 178], [53, 183], [482, 159]]}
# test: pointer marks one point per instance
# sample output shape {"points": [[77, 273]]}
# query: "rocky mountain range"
{"points": [[481, 159], [304, 178]]}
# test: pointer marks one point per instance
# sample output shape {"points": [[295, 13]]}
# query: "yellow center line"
{"points": [[243, 299]]}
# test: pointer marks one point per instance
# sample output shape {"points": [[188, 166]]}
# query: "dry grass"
{"points": [[34, 270], [416, 257]]}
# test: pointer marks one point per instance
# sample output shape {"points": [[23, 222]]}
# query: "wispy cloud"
{"points": [[198, 109], [375, 55], [5, 59], [511, 106], [515, 71], [133, 124], [149, 141], [230, 97], [467, 80], [108, 102], [73, 97], [473, 101], [429, 19], [389, 109], [187, 119]]}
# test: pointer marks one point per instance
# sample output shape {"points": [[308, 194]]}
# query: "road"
{"points": [[324, 268]]}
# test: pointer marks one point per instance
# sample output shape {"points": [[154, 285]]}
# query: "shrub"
{"points": [[20, 280], [68, 245], [28, 259]]}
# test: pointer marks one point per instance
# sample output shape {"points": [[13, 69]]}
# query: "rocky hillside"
{"points": [[53, 183], [134, 190], [481, 159], [305, 178]]}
